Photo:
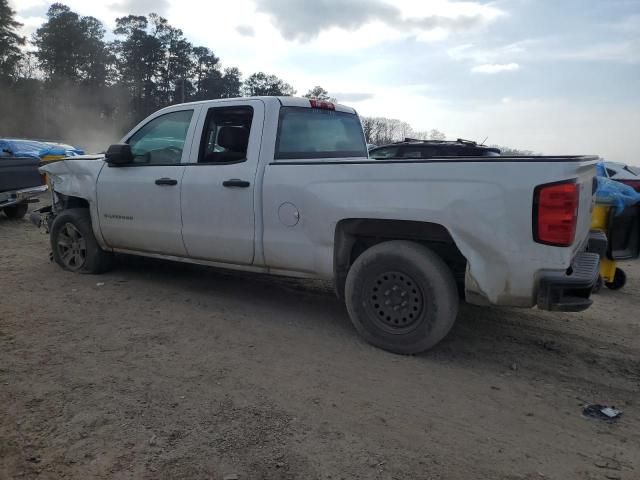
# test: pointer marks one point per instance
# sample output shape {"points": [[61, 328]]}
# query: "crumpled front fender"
{"points": [[77, 177]]}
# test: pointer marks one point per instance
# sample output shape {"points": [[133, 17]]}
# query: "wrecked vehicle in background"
{"points": [[285, 186], [20, 182], [411, 148], [627, 174], [45, 151]]}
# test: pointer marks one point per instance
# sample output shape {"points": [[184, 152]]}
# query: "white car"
{"points": [[284, 185], [627, 174]]}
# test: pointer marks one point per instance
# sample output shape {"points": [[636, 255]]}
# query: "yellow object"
{"points": [[600, 221], [600, 217], [49, 158], [607, 269]]}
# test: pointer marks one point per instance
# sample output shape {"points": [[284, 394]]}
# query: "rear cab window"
{"points": [[311, 133]]}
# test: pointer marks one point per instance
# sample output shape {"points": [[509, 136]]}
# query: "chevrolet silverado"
{"points": [[285, 186]]}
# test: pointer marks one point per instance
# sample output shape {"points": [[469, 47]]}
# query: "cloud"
{"points": [[493, 68], [304, 21], [353, 97], [625, 52], [246, 30], [520, 49], [142, 7], [26, 5], [620, 50], [29, 24], [36, 10]]}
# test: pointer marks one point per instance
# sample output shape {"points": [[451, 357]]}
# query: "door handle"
{"points": [[166, 181], [234, 182]]}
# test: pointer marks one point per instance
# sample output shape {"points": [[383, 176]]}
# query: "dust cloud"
{"points": [[69, 114]]}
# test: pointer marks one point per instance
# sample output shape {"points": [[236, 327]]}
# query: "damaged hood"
{"points": [[75, 176]]}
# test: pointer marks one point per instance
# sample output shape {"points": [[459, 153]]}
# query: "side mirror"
{"points": [[119, 154]]}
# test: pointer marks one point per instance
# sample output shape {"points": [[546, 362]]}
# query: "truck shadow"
{"points": [[509, 341], [540, 345]]}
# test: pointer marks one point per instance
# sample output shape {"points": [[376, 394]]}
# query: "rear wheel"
{"points": [[16, 211], [401, 297], [74, 245]]}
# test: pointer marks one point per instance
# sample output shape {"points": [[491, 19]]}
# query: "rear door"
{"points": [[139, 204], [218, 187]]}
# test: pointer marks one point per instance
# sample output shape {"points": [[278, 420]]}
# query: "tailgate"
{"points": [[585, 175]]}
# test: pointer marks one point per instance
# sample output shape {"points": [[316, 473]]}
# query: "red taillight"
{"points": [[635, 184], [555, 213], [324, 105]]}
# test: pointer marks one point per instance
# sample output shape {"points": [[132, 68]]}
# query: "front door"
{"points": [[139, 204], [218, 188]]}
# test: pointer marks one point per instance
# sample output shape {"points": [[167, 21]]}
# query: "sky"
{"points": [[551, 76]]}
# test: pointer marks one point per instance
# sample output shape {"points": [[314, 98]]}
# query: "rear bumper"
{"points": [[570, 291], [19, 196]]}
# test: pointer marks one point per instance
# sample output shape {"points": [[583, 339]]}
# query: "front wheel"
{"points": [[16, 212], [74, 245], [401, 297]]}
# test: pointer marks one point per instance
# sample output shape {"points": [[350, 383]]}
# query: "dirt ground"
{"points": [[161, 370]]}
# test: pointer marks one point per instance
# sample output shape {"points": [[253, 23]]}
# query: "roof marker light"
{"points": [[322, 104]]}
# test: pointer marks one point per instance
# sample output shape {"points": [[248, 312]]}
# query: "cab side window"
{"points": [[225, 138], [161, 141]]}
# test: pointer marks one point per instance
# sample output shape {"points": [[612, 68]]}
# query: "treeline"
{"points": [[381, 130], [69, 83]]}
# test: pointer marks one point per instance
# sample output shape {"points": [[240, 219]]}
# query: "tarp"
{"points": [[614, 193], [12, 147]]}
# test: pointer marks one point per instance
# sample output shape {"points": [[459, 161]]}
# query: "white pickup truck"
{"points": [[284, 185]]}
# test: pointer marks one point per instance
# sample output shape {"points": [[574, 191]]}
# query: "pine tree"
{"points": [[10, 42]]}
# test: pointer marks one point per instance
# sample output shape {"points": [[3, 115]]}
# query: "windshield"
{"points": [[314, 133]]}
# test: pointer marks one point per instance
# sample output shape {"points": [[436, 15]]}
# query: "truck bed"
{"points": [[485, 203], [18, 173]]}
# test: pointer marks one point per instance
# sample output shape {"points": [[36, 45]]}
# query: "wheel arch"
{"points": [[66, 202], [82, 243], [355, 235]]}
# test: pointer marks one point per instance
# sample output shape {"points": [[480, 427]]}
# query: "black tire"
{"points": [[16, 212], [401, 297], [619, 280], [72, 236]]}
